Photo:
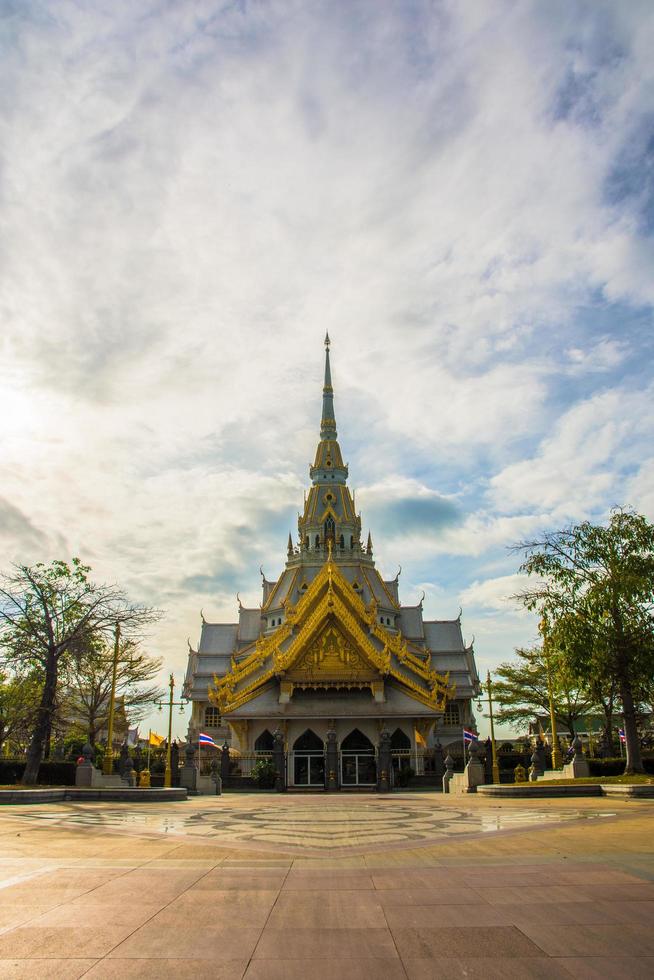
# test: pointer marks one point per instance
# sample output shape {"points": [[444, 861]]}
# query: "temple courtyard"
{"points": [[413, 885]]}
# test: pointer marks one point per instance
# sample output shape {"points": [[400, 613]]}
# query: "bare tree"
{"points": [[86, 683]]}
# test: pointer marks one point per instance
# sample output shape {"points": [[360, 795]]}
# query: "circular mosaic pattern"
{"points": [[325, 824]]}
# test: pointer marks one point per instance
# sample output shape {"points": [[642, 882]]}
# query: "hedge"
{"points": [[615, 767], [50, 773]]}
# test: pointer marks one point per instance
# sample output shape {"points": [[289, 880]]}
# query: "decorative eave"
{"points": [[331, 599]]}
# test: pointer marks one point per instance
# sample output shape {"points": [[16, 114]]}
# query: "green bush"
{"points": [[50, 773], [615, 767], [263, 773], [405, 775]]}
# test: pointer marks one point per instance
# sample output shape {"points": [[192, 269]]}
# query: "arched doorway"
{"points": [[400, 741], [400, 756], [308, 760], [358, 763]]}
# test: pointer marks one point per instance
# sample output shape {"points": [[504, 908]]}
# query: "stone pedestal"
{"points": [[472, 776], [578, 767], [188, 776], [224, 762], [384, 763], [331, 761], [439, 763], [449, 773], [87, 776], [538, 764], [279, 759]]}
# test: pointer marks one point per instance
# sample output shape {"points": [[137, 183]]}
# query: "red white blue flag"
{"points": [[469, 736], [206, 740], [623, 737]]}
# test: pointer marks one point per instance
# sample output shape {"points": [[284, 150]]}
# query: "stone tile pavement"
{"points": [[569, 894]]}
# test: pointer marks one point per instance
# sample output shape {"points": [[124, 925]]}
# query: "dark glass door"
{"points": [[308, 770], [358, 770]]}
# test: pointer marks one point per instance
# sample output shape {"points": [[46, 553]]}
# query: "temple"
{"points": [[331, 662]]}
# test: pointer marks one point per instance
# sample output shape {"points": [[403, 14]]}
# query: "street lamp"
{"points": [[557, 761], [489, 702], [168, 776], [108, 763]]}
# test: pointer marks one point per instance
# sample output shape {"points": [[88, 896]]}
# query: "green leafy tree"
{"points": [[19, 696], [521, 689], [595, 585], [45, 612]]}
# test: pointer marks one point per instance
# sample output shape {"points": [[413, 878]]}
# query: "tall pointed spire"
{"points": [[328, 420]]}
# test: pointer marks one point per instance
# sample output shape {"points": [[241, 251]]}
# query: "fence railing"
{"points": [[240, 766]]}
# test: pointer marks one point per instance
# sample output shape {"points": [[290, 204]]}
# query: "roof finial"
{"points": [[369, 544], [290, 545], [328, 420]]}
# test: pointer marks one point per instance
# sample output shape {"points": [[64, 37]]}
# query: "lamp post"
{"points": [[496, 768], [489, 702], [557, 761], [168, 775], [108, 763]]}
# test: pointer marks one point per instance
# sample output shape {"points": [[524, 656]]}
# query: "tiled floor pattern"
{"points": [[571, 899], [290, 821]]}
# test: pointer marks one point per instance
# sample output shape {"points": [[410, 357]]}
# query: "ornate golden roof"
{"points": [[331, 640]]}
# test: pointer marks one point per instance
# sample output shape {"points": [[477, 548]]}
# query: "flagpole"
{"points": [[149, 742], [463, 736], [200, 757]]}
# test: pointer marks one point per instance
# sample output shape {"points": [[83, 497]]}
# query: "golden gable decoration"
{"points": [[331, 639]]}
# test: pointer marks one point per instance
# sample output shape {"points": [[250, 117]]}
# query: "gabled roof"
{"points": [[331, 638], [218, 637]]}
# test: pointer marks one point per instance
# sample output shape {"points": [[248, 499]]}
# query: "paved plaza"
{"points": [[294, 886]]}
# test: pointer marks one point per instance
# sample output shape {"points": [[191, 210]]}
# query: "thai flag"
{"points": [[469, 736], [206, 740], [623, 737]]}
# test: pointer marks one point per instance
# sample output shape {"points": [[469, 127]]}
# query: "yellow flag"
{"points": [[156, 740]]}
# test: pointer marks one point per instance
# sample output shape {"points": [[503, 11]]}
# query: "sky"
{"points": [[192, 193]]}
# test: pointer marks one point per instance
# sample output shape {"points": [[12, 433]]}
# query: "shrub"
{"points": [[50, 773], [405, 775], [615, 767], [263, 773]]}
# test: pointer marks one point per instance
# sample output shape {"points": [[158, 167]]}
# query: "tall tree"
{"points": [[86, 683], [19, 695], [595, 583], [45, 610], [521, 689]]}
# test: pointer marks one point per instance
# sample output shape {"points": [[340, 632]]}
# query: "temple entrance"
{"points": [[358, 763], [308, 760]]}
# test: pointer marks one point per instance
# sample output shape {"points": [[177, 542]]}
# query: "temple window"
{"points": [[317, 540], [351, 541], [211, 717], [341, 542], [356, 741], [308, 742], [330, 528], [452, 714], [400, 740], [265, 742]]}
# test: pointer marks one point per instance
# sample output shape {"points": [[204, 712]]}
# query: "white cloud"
{"points": [[585, 463], [192, 194]]}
